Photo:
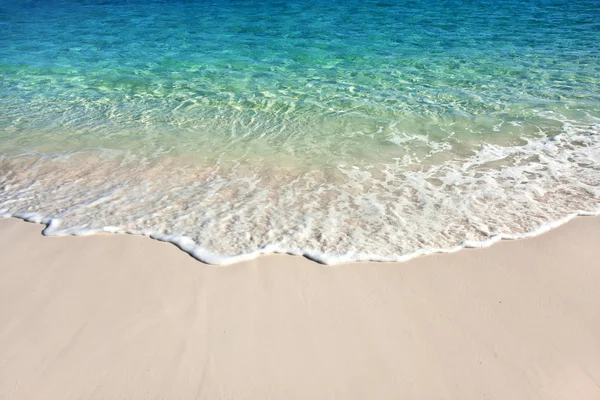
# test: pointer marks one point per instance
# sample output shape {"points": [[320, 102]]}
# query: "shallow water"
{"points": [[338, 130]]}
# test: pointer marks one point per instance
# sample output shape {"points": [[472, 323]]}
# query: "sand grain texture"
{"points": [[125, 317]]}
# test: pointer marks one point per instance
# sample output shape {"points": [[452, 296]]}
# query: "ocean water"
{"points": [[339, 130]]}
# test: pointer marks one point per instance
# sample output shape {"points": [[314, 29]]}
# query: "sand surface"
{"points": [[126, 317]]}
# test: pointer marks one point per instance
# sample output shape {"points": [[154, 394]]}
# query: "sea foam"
{"points": [[381, 212]]}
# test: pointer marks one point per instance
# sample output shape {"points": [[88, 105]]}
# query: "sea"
{"points": [[337, 130]]}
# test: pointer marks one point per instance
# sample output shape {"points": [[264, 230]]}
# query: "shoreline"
{"points": [[379, 215], [122, 316], [191, 248]]}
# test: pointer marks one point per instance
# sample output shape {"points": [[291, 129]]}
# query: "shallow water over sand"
{"points": [[361, 130]]}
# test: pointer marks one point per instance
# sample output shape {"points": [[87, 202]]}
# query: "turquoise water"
{"points": [[338, 130]]}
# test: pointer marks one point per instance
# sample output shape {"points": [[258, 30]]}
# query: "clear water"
{"points": [[341, 130]]}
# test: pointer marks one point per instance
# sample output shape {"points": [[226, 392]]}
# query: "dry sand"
{"points": [[125, 317]]}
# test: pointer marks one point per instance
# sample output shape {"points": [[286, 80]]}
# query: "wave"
{"points": [[201, 254], [391, 211]]}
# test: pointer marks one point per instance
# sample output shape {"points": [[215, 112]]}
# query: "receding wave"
{"points": [[381, 211]]}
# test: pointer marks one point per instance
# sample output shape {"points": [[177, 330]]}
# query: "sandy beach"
{"points": [[280, 200], [126, 317]]}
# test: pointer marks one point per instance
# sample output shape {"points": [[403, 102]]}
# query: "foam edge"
{"points": [[186, 244]]}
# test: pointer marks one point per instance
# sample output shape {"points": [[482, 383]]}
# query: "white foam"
{"points": [[206, 256], [391, 211]]}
